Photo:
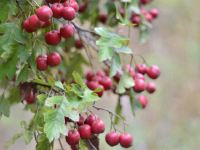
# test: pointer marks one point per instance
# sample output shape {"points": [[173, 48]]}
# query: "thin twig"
{"points": [[61, 146]]}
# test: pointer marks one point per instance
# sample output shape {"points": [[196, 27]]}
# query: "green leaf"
{"points": [[43, 143], [23, 75], [54, 118], [59, 85], [78, 79], [118, 111], [134, 101], [124, 49], [27, 136], [4, 107], [83, 145], [126, 81], [116, 64], [105, 53]]}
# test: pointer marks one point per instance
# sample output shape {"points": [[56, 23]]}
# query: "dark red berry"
{"points": [[103, 18], [74, 5], [82, 7], [44, 13], [45, 24], [154, 12], [151, 87], [98, 126], [53, 59], [112, 138], [34, 22], [89, 75], [57, 9], [143, 101], [90, 119], [41, 62], [153, 72], [125, 140], [78, 44], [53, 37], [136, 20], [27, 27], [67, 31], [144, 2], [68, 13], [81, 121], [73, 137], [30, 97], [106, 82], [85, 131]]}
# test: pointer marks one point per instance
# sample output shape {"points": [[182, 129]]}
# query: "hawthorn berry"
{"points": [[81, 121], [73, 137], [143, 101], [85, 131], [82, 7], [45, 24], [53, 59], [44, 13], [139, 85], [57, 9], [139, 76], [78, 44], [98, 126], [53, 37], [103, 18], [30, 97], [151, 87], [67, 31], [106, 82], [148, 17], [90, 119], [27, 27], [125, 140], [112, 138], [89, 75], [154, 12], [153, 72], [74, 5], [41, 62], [68, 13], [34, 22], [136, 19], [141, 68]]}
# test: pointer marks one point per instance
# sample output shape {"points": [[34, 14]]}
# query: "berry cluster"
{"points": [[43, 61], [92, 125], [138, 74], [86, 128], [98, 80], [136, 18]]}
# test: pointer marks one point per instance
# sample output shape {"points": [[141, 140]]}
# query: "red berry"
{"points": [[34, 22], [85, 131], [141, 68], [98, 127], [143, 101], [92, 85], [106, 82], [41, 62], [67, 31], [78, 44], [148, 17], [44, 13], [57, 9], [103, 18], [130, 70], [112, 138], [101, 73], [154, 12], [68, 13], [73, 137], [81, 121], [53, 37], [89, 75], [153, 72], [151, 87], [125, 140], [135, 19], [90, 119], [82, 7], [30, 97], [27, 27], [144, 2], [53, 59], [139, 85], [139, 76], [118, 76], [45, 24], [74, 5]]}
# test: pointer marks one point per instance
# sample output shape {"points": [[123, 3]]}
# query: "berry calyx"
{"points": [[67, 31], [41, 62], [44, 13], [112, 138], [53, 37], [98, 126], [68, 13], [73, 137], [53, 59], [85, 131], [125, 140]]}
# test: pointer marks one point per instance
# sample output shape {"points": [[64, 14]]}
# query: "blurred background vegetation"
{"points": [[172, 119]]}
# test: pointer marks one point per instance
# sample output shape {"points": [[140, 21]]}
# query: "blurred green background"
{"points": [[172, 118]]}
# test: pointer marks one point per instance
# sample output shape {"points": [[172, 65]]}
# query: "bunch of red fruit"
{"points": [[98, 80], [91, 126], [138, 74], [136, 18], [86, 129], [52, 60], [43, 16]]}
